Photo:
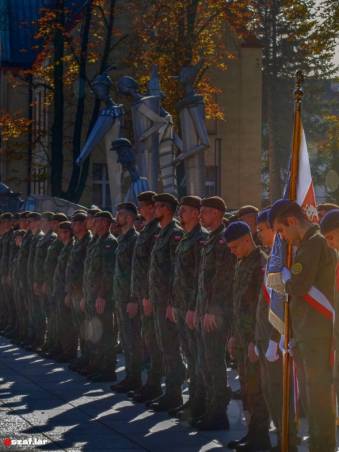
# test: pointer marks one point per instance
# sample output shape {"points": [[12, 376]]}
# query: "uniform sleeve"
{"points": [[108, 261], [174, 242], [249, 305], [304, 268]]}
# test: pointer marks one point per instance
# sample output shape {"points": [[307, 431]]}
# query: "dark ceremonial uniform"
{"points": [[7, 299], [23, 284]]}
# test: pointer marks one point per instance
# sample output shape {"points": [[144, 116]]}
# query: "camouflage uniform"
{"points": [[33, 300], [74, 277], [140, 290], [248, 280], [22, 264], [97, 282], [161, 274], [214, 297], [185, 287], [129, 328], [5, 265], [66, 332], [49, 266], [38, 278]]}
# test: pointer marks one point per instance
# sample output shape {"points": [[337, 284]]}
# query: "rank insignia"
{"points": [[296, 268]]}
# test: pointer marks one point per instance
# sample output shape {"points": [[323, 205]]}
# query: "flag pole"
{"points": [[298, 95]]}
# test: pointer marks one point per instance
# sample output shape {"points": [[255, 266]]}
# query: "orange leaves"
{"points": [[13, 126]]}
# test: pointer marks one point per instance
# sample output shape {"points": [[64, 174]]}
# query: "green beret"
{"points": [[79, 211], [34, 216], [60, 217], [129, 206], [120, 143], [47, 216], [330, 221], [6, 216], [80, 216], [167, 198], [191, 201], [92, 212], [24, 215], [104, 214], [245, 210], [327, 206], [215, 202], [65, 225], [146, 196]]}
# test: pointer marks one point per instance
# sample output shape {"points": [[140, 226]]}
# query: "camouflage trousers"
{"points": [[152, 352], [189, 346], [130, 335], [314, 366], [212, 369], [66, 331], [252, 395], [168, 343]]}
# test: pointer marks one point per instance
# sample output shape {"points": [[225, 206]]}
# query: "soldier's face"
{"points": [[64, 235], [18, 241], [159, 210], [90, 223], [265, 234], [146, 210], [121, 218], [239, 247], [78, 227], [208, 216], [288, 230], [332, 239], [188, 215]]}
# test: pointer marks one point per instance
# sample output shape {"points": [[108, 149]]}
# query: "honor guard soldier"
{"points": [[310, 286]]}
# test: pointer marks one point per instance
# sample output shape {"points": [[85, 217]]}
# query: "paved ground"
{"points": [[44, 406]]}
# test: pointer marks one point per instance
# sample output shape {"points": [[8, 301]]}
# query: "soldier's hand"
{"points": [[190, 319], [82, 305], [232, 347], [36, 289], [170, 314], [210, 323], [252, 353], [132, 310], [68, 300], [147, 307], [100, 304]]}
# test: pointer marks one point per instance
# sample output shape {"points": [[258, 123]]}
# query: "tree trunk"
{"points": [[57, 158]]}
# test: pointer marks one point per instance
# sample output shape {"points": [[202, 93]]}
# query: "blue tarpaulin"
{"points": [[18, 26]]}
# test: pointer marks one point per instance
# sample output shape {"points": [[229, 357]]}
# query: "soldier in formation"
{"points": [[181, 284]]}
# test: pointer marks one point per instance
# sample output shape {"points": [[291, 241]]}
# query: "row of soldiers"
{"points": [[181, 286]]}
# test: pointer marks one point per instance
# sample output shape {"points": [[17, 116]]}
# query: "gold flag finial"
{"points": [[298, 92]]}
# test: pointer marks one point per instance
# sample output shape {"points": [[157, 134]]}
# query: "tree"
{"points": [[293, 37]]}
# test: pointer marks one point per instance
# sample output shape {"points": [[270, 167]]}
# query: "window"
{"points": [[101, 190], [212, 172]]}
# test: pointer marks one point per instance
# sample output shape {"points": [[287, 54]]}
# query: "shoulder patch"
{"points": [[296, 268], [222, 241]]}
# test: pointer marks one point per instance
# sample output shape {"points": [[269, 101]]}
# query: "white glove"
{"points": [[291, 345], [275, 282], [256, 350], [272, 354], [285, 275]]}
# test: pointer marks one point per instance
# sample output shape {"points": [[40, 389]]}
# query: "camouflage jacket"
{"points": [[141, 260], [186, 268], [99, 269], [40, 255], [248, 280], [22, 260], [314, 264], [5, 264], [123, 267], [215, 277], [264, 330], [161, 272], [59, 277], [75, 264], [50, 263], [31, 257]]}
